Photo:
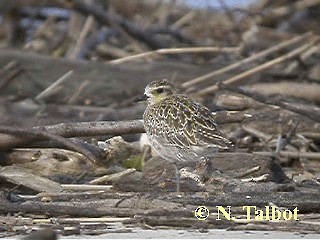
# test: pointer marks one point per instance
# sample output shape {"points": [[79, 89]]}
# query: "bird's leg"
{"points": [[177, 176], [205, 169], [202, 169]]}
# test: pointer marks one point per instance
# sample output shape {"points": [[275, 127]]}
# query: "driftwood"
{"points": [[50, 162], [87, 129], [311, 112], [159, 175], [43, 71], [77, 129], [36, 133], [262, 54], [172, 210], [50, 103], [22, 177], [309, 92], [240, 77]]}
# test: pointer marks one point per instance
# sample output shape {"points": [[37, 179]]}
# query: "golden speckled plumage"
{"points": [[178, 128]]}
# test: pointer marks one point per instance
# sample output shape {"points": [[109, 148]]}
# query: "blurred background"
{"points": [[254, 63], [115, 30]]}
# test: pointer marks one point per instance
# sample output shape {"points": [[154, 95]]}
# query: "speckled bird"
{"points": [[178, 128]]}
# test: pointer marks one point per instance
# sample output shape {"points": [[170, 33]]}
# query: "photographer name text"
{"points": [[251, 213]]}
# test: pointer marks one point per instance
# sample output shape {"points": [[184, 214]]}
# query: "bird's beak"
{"points": [[141, 98]]}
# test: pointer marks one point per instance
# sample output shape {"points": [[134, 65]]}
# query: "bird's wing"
{"points": [[207, 131], [184, 123]]}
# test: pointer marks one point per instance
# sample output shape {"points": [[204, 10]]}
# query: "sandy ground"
{"points": [[185, 234]]}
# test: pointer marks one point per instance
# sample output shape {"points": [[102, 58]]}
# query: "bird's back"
{"points": [[180, 127]]}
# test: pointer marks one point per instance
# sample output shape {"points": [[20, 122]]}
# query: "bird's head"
{"points": [[158, 90]]}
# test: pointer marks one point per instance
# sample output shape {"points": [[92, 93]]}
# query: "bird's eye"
{"points": [[160, 90]]}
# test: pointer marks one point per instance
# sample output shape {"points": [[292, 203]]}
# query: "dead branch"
{"points": [[312, 113], [61, 131], [49, 90], [105, 18], [24, 177], [175, 51], [54, 162], [256, 133], [36, 134], [303, 57], [235, 102], [86, 129], [112, 177], [262, 67], [276, 13], [223, 117], [10, 71], [307, 91], [88, 25], [250, 59], [85, 187]]}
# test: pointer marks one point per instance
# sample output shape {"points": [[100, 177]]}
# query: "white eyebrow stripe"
{"points": [[159, 87]]}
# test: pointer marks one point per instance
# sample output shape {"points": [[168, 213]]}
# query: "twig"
{"points": [[261, 178], [256, 133], [249, 171], [7, 67], [78, 92], [261, 67], [84, 33], [105, 18], [111, 51], [174, 32], [112, 177], [291, 8], [279, 144], [312, 135], [175, 51], [245, 61], [230, 15], [32, 134], [85, 187], [15, 70], [303, 57], [95, 39], [286, 135], [47, 92], [12, 75], [185, 19]]}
